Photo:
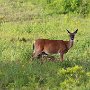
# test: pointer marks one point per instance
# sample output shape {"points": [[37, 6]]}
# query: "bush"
{"points": [[67, 6], [72, 77]]}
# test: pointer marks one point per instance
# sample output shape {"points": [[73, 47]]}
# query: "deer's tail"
{"points": [[33, 46]]}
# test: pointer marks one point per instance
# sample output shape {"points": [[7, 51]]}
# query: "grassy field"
{"points": [[21, 22]]}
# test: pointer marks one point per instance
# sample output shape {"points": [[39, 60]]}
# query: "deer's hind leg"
{"points": [[37, 52]]}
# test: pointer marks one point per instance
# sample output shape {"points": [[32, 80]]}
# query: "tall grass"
{"points": [[23, 21]]}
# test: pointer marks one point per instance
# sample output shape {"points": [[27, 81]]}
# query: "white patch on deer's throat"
{"points": [[70, 43]]}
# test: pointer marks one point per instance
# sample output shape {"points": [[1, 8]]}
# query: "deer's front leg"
{"points": [[61, 55]]}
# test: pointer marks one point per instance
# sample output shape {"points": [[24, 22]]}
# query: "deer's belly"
{"points": [[51, 50]]}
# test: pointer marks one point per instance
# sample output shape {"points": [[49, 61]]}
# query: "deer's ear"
{"points": [[75, 31], [67, 31]]}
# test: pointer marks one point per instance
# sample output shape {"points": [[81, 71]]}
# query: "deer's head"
{"points": [[72, 35]]}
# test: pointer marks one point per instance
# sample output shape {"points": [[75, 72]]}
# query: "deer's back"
{"points": [[50, 46]]}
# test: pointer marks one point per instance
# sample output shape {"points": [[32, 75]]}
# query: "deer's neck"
{"points": [[70, 43]]}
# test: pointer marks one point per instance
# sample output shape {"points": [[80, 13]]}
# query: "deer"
{"points": [[46, 46]]}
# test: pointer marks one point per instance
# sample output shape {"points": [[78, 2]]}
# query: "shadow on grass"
{"points": [[16, 74]]}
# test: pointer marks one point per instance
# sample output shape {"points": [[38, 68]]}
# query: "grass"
{"points": [[28, 20]]}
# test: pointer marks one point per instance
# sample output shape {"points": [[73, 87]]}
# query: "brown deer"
{"points": [[46, 46]]}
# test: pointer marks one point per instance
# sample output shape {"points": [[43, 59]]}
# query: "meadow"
{"points": [[23, 21]]}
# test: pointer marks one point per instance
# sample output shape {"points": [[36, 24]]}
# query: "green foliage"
{"points": [[33, 75], [67, 6], [23, 21], [72, 77]]}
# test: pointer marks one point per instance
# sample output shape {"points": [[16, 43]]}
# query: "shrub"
{"points": [[74, 76], [67, 6]]}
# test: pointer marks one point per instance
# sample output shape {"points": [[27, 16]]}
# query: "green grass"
{"points": [[28, 20]]}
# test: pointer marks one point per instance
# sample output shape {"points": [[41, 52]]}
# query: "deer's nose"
{"points": [[72, 38]]}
